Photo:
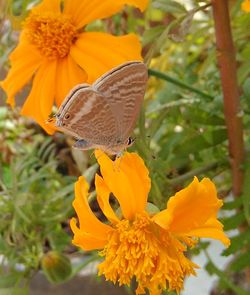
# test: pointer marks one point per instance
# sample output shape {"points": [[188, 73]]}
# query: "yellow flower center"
{"points": [[52, 33], [142, 249]]}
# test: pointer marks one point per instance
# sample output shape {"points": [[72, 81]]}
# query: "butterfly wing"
{"points": [[88, 116], [124, 88], [68, 99]]}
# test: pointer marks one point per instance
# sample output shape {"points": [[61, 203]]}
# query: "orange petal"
{"points": [[87, 219], [48, 5], [212, 229], [39, 103], [103, 193], [246, 6], [85, 11], [69, 74], [85, 240], [98, 53], [127, 178], [25, 60], [193, 209]]}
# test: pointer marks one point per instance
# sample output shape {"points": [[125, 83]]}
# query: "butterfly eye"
{"points": [[67, 116]]}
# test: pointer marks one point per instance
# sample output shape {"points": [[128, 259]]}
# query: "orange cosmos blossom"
{"points": [[246, 6], [55, 49], [149, 247]]}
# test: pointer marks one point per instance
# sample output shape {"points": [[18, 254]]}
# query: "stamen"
{"points": [[142, 249], [52, 33]]}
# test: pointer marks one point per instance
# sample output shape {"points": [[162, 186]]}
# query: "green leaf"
{"points": [[59, 239], [238, 242], [3, 113], [151, 34], [14, 291], [243, 71], [246, 191], [197, 115], [232, 204], [169, 6], [234, 221], [9, 280], [246, 89], [201, 142], [217, 136], [182, 28], [7, 175], [241, 262]]}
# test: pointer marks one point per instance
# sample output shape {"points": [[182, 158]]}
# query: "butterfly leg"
{"points": [[82, 144]]}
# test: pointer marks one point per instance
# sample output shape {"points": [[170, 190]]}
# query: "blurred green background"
{"points": [[181, 132]]}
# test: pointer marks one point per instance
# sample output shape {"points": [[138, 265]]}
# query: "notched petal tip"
{"points": [[85, 240], [192, 212], [82, 184]]}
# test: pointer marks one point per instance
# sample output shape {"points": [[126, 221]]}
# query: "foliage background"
{"points": [[181, 133]]}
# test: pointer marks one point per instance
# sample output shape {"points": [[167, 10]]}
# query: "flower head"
{"points": [[246, 6], [149, 247], [55, 49]]}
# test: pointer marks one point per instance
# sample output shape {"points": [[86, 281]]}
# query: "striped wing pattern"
{"points": [[89, 117], [124, 88], [105, 113]]}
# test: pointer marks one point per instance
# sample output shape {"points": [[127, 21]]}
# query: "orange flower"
{"points": [[246, 6], [55, 49], [149, 247]]}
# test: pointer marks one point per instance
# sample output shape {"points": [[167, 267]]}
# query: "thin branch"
{"points": [[228, 72]]}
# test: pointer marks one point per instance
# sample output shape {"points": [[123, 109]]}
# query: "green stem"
{"points": [[177, 82], [143, 143], [197, 171], [142, 127], [226, 280], [172, 104]]}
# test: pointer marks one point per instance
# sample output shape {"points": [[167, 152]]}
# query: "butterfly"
{"points": [[103, 115]]}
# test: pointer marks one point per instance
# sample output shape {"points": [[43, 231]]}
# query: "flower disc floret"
{"points": [[51, 33], [142, 249]]}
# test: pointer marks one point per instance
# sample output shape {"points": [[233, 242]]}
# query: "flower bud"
{"points": [[56, 267]]}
